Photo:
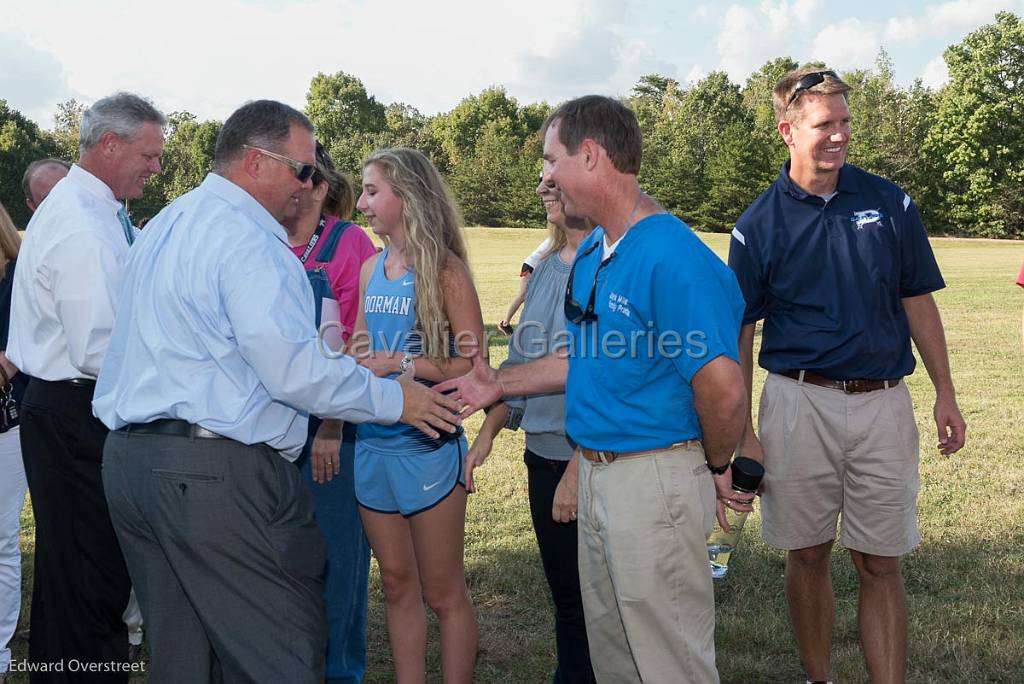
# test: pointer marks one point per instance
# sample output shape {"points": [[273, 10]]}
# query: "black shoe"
{"points": [[505, 327]]}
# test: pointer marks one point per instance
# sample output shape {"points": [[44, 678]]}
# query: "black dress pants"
{"points": [[558, 554], [81, 584]]}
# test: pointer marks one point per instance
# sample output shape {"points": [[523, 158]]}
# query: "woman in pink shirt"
{"points": [[332, 250]]}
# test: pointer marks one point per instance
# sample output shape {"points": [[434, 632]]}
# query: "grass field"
{"points": [[965, 583]]}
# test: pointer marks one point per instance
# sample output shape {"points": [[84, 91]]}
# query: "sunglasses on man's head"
{"points": [[303, 172], [808, 82], [573, 311]]}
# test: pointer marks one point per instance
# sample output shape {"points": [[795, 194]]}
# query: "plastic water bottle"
{"points": [[746, 478]]}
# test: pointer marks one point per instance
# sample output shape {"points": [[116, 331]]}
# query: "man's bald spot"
{"points": [[42, 178]]}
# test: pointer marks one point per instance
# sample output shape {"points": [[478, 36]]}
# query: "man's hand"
{"points": [[478, 453], [427, 410], [326, 453], [729, 497], [951, 425], [563, 508], [8, 367], [477, 389], [930, 338], [381, 364]]}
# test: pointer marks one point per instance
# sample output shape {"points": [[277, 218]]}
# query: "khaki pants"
{"points": [[647, 594]]}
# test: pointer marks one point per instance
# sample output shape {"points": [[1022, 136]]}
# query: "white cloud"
{"points": [[947, 19], [32, 79], [695, 74], [582, 47], [966, 14], [751, 36], [936, 74], [903, 30], [848, 44], [209, 57]]}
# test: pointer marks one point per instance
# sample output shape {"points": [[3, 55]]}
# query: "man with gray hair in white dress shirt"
{"points": [[213, 369], [66, 291]]}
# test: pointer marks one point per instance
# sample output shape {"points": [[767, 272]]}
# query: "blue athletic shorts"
{"points": [[408, 484]]}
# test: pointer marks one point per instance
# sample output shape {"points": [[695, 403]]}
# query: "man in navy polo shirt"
{"points": [[836, 262], [654, 399]]}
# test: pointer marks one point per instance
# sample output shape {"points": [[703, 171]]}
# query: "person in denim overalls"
{"points": [[332, 249]]}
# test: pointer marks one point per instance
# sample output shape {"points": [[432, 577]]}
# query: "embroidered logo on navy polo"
{"points": [[866, 217]]}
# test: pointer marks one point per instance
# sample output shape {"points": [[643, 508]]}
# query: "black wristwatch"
{"points": [[719, 470]]}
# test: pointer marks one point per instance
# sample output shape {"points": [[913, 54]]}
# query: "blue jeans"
{"points": [[348, 560]]}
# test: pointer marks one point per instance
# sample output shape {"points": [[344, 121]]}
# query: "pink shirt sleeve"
{"points": [[354, 248], [1020, 276]]}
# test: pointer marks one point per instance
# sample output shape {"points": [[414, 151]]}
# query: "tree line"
{"points": [[710, 147]]}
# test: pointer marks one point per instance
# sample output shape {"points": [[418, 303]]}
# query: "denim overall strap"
{"points": [[330, 245]]}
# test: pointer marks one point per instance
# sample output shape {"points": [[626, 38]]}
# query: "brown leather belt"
{"points": [[848, 386], [609, 456]]}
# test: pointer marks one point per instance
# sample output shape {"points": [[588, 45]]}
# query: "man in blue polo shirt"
{"points": [[836, 262], [654, 399]]}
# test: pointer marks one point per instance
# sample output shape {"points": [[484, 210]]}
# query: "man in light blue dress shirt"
{"points": [[212, 370]]}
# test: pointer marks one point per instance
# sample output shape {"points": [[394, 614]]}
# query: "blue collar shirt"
{"points": [[828, 277], [666, 305], [216, 328]]}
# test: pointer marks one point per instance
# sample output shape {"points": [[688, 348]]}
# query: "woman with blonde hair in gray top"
{"points": [[551, 464]]}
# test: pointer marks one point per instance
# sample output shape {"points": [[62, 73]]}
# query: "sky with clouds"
{"points": [[209, 56]]}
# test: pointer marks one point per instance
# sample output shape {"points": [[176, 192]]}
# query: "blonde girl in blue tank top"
{"points": [[418, 314]]}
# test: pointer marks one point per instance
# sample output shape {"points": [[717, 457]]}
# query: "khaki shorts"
{"points": [[828, 452]]}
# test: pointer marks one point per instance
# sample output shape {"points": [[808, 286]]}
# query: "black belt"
{"points": [[171, 427], [848, 386], [81, 382]]}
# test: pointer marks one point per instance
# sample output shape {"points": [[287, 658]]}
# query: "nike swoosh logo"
{"points": [[427, 488], [407, 283]]}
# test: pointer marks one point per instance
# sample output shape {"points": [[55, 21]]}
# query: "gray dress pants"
{"points": [[225, 557]]}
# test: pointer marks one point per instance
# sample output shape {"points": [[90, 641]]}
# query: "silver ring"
{"points": [[572, 515]]}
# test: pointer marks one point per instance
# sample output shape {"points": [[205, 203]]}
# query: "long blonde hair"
{"points": [[433, 231], [10, 241]]}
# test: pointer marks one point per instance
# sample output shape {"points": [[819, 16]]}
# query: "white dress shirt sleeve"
{"points": [[85, 274], [269, 306]]}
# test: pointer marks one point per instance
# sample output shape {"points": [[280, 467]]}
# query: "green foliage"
{"points": [[348, 119], [187, 158], [66, 123], [709, 147], [978, 137], [21, 143], [757, 98], [696, 139], [889, 125], [736, 175], [496, 182]]}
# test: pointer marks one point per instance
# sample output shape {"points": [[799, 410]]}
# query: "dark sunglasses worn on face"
{"points": [[808, 82], [573, 311], [302, 171]]}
